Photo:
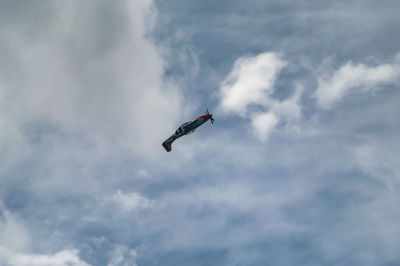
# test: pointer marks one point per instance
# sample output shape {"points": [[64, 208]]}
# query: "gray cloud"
{"points": [[89, 90], [81, 85]]}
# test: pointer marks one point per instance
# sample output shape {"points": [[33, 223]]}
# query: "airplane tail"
{"points": [[167, 144]]}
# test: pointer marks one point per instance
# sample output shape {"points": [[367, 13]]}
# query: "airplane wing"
{"points": [[191, 132]]}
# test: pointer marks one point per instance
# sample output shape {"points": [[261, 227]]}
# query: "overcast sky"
{"points": [[301, 167]]}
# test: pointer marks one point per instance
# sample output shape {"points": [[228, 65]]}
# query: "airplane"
{"points": [[187, 128]]}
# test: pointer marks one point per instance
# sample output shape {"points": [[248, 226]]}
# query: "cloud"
{"points": [[15, 241], [13, 234], [290, 108], [81, 86], [99, 78], [354, 77], [251, 81], [379, 162], [67, 257], [85, 104], [130, 201], [263, 124], [122, 255]]}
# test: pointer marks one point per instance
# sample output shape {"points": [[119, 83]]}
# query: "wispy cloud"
{"points": [[63, 258], [263, 124], [130, 201], [15, 242], [354, 77], [122, 255]]}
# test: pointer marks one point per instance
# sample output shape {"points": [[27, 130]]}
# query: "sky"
{"points": [[301, 167]]}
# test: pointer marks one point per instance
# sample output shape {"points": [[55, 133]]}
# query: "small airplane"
{"points": [[187, 128]]}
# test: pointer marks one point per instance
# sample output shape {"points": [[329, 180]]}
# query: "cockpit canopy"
{"points": [[184, 124], [181, 129]]}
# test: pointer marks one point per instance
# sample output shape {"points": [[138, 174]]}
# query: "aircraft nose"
{"points": [[206, 116]]}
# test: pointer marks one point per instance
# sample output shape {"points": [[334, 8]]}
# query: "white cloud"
{"points": [[87, 71], [352, 77], [15, 241], [63, 258], [90, 76], [263, 124], [250, 82], [142, 173], [289, 108], [130, 201], [379, 162]]}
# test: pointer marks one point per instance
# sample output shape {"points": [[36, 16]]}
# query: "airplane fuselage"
{"points": [[186, 128], [189, 127]]}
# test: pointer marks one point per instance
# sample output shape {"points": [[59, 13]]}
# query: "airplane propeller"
{"points": [[212, 120]]}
